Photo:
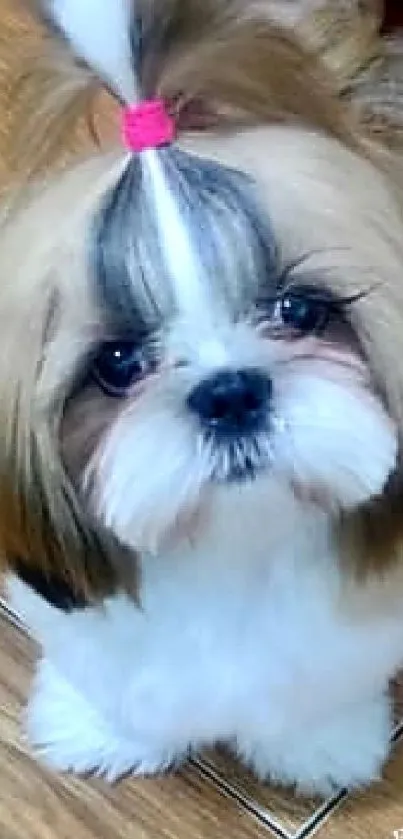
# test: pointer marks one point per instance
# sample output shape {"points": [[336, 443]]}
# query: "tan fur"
{"points": [[52, 109], [244, 69], [44, 307], [331, 74]]}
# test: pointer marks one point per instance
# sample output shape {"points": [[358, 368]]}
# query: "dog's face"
{"points": [[259, 368], [252, 340]]}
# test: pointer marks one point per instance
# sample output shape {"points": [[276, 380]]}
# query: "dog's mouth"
{"points": [[239, 459]]}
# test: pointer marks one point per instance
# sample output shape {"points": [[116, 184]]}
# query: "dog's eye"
{"points": [[304, 312], [121, 364]]}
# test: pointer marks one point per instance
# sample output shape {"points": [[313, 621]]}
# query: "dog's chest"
{"points": [[258, 633], [245, 629], [253, 608]]}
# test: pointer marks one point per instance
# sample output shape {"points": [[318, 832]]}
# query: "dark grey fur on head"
{"points": [[229, 234]]}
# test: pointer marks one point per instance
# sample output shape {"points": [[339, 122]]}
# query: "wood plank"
{"points": [[288, 811]]}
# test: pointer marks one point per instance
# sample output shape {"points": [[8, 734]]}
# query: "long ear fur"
{"points": [[43, 527]]}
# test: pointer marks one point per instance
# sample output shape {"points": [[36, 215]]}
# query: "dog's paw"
{"points": [[69, 735], [349, 753]]}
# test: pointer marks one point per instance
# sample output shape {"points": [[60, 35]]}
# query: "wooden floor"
{"points": [[210, 799]]}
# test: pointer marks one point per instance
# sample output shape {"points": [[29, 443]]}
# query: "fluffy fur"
{"points": [[242, 585]]}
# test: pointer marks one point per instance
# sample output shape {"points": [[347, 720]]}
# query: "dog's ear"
{"points": [[44, 531], [370, 69], [371, 538]]}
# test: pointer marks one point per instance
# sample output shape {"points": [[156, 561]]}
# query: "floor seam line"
{"points": [[253, 808], [321, 816]]}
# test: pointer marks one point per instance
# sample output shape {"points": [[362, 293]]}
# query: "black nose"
{"points": [[232, 401]]}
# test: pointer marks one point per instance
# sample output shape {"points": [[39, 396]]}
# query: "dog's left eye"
{"points": [[121, 364], [303, 311]]}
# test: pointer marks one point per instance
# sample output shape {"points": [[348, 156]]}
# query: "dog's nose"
{"points": [[232, 401]]}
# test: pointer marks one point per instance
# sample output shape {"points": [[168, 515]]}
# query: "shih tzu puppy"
{"points": [[201, 395]]}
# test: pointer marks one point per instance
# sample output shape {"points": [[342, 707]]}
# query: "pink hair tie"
{"points": [[147, 126]]}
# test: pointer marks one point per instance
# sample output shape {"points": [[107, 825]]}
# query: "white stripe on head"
{"points": [[101, 37], [189, 285]]}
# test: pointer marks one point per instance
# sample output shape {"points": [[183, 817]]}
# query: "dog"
{"points": [[201, 392]]}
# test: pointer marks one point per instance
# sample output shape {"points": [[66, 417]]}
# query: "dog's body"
{"points": [[207, 413], [243, 638]]}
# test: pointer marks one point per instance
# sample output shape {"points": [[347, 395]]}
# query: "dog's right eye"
{"points": [[119, 365]]}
